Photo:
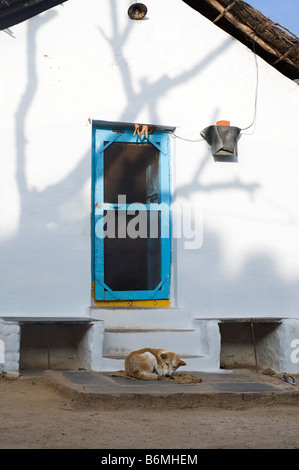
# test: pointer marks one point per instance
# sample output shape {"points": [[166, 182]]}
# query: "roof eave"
{"points": [[276, 46], [18, 12]]}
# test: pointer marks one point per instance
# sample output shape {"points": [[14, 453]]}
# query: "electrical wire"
{"points": [[255, 102], [189, 140], [256, 90]]}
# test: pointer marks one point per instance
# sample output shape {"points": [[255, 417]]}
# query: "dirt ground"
{"points": [[35, 416]]}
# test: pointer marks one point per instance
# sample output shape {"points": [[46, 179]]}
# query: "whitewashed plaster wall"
{"points": [[86, 60]]}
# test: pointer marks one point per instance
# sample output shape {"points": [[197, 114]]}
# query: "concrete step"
{"points": [[168, 328], [118, 342], [171, 318], [194, 363]]}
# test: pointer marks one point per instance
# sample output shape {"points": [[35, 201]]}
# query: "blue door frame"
{"points": [[102, 139]]}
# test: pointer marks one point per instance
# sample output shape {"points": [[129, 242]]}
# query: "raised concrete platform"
{"points": [[229, 389]]}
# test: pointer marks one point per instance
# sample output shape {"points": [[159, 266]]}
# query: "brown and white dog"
{"points": [[149, 363]]}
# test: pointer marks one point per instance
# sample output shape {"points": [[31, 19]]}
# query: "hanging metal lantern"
{"points": [[223, 139]]}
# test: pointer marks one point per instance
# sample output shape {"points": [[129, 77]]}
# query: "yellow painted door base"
{"points": [[128, 303]]}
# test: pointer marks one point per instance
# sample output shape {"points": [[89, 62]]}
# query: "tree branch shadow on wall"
{"points": [[259, 279], [47, 250], [49, 246], [149, 93]]}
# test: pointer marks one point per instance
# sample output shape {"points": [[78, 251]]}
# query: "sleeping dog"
{"points": [[150, 364]]}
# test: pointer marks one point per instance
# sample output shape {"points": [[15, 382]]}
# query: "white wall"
{"points": [[88, 60]]}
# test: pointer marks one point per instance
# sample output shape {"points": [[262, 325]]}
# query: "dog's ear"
{"points": [[164, 356], [182, 363]]}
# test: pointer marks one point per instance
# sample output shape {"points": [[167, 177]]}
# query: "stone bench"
{"points": [[275, 342], [41, 339]]}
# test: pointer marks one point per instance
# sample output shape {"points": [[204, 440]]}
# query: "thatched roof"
{"points": [[273, 42], [15, 11]]}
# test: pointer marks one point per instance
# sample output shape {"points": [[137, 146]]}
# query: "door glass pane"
{"points": [[131, 169], [133, 263]]}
